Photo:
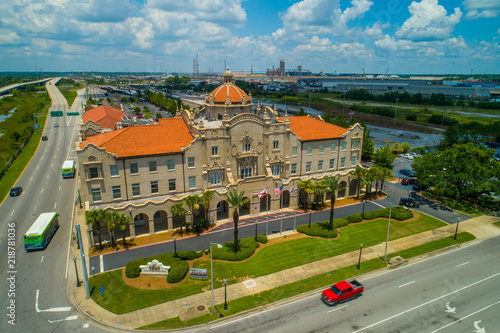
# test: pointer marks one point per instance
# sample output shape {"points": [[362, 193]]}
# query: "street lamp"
{"points": [[396, 114], [175, 247], [409, 194], [343, 105], [78, 284], [456, 230], [310, 211], [359, 261], [225, 294], [387, 239], [212, 274], [363, 214]]}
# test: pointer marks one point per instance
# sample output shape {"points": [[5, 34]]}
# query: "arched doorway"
{"points": [[341, 193], [160, 220], [178, 221], [265, 203], [222, 210], [285, 199], [303, 198], [353, 186], [245, 209], [141, 224]]}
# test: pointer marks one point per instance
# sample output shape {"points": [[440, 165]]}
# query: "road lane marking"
{"points": [[345, 306], [41, 260], [403, 285], [31, 179], [37, 167], [34, 208], [12, 212], [101, 259], [480, 310], [376, 203], [64, 319], [55, 205], [60, 309], [48, 176], [42, 190], [465, 263], [426, 303]]}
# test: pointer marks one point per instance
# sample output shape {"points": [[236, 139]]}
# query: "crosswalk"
{"points": [[246, 221]]}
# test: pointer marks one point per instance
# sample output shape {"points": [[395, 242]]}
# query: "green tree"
{"points": [[405, 146], [95, 218], [370, 177], [367, 151], [124, 223], [236, 201], [193, 202], [319, 191], [358, 174], [384, 157], [111, 220], [308, 187], [383, 173], [179, 211], [206, 197], [333, 185]]}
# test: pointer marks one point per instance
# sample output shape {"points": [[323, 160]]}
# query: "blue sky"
{"points": [[408, 37]]}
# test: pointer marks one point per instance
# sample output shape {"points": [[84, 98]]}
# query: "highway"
{"points": [[455, 291], [42, 273]]}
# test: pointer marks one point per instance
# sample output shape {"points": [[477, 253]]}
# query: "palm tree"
{"points": [[178, 210], [370, 177], [112, 220], [319, 191], [358, 174], [236, 201], [95, 218], [206, 197], [384, 174], [124, 223], [308, 186], [333, 185], [193, 202]]}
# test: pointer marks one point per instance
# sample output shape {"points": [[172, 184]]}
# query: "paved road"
{"points": [[452, 292], [43, 271]]}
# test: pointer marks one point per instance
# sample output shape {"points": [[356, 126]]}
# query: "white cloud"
{"points": [[481, 8], [428, 21]]}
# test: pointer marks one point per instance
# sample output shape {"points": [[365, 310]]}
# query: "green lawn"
{"points": [[69, 94], [309, 284], [120, 298]]}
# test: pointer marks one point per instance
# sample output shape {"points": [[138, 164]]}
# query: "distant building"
{"points": [[100, 119]]}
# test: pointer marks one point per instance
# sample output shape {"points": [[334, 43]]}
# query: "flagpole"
{"points": [[281, 212], [267, 219], [296, 207]]}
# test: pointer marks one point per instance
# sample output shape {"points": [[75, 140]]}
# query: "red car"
{"points": [[342, 291], [408, 181]]}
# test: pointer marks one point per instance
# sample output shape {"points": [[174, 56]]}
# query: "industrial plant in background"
{"points": [[281, 71]]}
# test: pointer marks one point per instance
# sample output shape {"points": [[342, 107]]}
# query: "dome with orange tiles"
{"points": [[228, 93]]}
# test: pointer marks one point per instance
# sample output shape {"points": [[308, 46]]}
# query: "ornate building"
{"points": [[144, 170]]}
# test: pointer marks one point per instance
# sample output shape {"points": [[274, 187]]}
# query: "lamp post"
{"points": [[343, 105], [359, 261], [310, 211], [396, 114], [387, 239], [409, 194], [456, 230], [363, 214], [212, 275], [78, 284], [175, 247], [225, 294]]}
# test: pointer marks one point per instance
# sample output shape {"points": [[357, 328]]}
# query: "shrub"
{"points": [[372, 215], [355, 218], [262, 239], [318, 230], [188, 255], [177, 271], [132, 269], [247, 247], [339, 223], [399, 213]]}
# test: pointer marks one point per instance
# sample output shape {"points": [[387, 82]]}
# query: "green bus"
{"points": [[41, 232], [68, 169]]}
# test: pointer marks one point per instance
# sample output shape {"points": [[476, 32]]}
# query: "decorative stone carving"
{"points": [[234, 150], [259, 148], [154, 268]]}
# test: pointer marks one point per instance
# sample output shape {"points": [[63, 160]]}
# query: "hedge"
{"points": [[178, 267], [177, 272], [318, 229], [262, 239], [398, 213], [355, 218], [247, 247], [189, 255], [339, 223]]}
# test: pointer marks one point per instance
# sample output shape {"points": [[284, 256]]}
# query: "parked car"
{"points": [[342, 291], [492, 144], [15, 191], [496, 157], [408, 202], [414, 154], [44, 138], [408, 181], [56, 125], [407, 172], [407, 155], [417, 187]]}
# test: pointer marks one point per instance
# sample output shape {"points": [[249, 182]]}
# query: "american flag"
{"points": [[278, 190]]}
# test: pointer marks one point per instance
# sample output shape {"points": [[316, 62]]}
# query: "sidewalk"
{"points": [[185, 308]]}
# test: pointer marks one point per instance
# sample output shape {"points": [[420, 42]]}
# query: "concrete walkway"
{"points": [[185, 308]]}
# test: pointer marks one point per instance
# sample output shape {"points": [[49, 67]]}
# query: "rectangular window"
{"points": [[332, 147], [215, 178], [276, 144], [355, 144], [154, 187], [294, 169], [332, 163], [320, 165], [190, 162], [344, 146], [96, 194], [113, 170], [321, 149], [152, 166], [308, 167], [171, 184], [342, 162], [353, 160], [246, 172], [134, 169], [192, 181], [170, 164], [136, 189], [246, 147], [215, 150], [309, 150], [93, 173], [117, 193], [294, 151], [275, 170]]}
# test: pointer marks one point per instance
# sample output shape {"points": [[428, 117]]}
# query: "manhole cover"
{"points": [[200, 307]]}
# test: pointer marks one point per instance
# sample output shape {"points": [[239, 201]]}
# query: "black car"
{"points": [[44, 138], [417, 187], [408, 202], [407, 172], [15, 191]]}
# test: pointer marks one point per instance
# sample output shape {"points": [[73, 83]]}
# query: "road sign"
{"points": [[101, 289], [56, 113], [72, 113]]}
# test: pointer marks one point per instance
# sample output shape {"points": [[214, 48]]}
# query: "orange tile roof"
{"points": [[310, 129], [169, 136], [104, 115], [236, 95]]}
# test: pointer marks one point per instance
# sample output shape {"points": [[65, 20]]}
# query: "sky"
{"points": [[333, 36]]}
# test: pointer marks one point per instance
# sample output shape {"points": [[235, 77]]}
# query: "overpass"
{"points": [[6, 89]]}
